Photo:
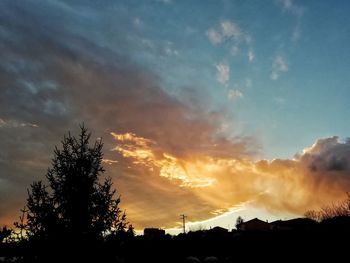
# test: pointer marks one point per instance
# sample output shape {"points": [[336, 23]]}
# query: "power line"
{"points": [[183, 217]]}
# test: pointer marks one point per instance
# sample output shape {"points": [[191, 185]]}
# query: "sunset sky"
{"points": [[212, 109]]}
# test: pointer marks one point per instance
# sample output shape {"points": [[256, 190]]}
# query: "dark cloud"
{"points": [[328, 155], [53, 77], [318, 176]]}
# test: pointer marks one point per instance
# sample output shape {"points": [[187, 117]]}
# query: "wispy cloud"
{"points": [[234, 50], [137, 22], [164, 1], [226, 31], [144, 153], [234, 94], [230, 30], [109, 161], [291, 6], [251, 55], [296, 31], [248, 82], [279, 65], [16, 124], [170, 50], [286, 4], [223, 73], [214, 36], [295, 10], [158, 49], [279, 100]]}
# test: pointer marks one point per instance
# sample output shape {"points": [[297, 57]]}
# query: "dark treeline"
{"points": [[325, 240], [75, 217]]}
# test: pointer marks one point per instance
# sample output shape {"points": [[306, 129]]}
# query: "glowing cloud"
{"points": [[142, 153], [223, 184]]}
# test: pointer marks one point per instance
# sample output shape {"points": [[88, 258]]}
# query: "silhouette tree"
{"points": [[131, 231], [75, 204], [329, 211], [239, 221], [5, 233]]}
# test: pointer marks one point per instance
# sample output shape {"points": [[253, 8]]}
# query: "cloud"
{"points": [[166, 157], [296, 32], [279, 100], [226, 31], [55, 78], [248, 82], [109, 161], [290, 6], [143, 153], [286, 4], [170, 51], [234, 94], [16, 124], [165, 1], [321, 174], [279, 65], [327, 155], [250, 56], [137, 22], [223, 73], [234, 50], [297, 11], [230, 30], [214, 36]]}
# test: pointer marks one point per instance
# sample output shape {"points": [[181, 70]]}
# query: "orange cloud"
{"points": [[170, 167], [213, 186]]}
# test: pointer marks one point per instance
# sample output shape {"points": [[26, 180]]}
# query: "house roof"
{"points": [[255, 220], [296, 222], [219, 228]]}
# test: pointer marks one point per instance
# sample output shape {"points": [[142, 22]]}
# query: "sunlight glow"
{"points": [[142, 153], [224, 183]]}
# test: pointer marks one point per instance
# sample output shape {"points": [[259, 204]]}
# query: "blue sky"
{"points": [[190, 98], [287, 61]]}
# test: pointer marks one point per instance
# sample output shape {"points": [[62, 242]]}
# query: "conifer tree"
{"points": [[75, 203]]}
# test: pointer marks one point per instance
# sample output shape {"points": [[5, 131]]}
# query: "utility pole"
{"points": [[183, 217]]}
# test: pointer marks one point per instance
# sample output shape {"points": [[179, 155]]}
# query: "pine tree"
{"points": [[75, 204], [5, 233]]}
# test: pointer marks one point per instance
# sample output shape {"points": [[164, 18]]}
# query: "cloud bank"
{"points": [[318, 176], [52, 79], [166, 157]]}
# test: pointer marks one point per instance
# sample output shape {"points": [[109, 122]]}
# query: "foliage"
{"points": [[5, 233], [131, 231], [339, 209], [239, 221], [75, 203]]}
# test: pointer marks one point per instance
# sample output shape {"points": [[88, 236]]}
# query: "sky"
{"points": [[212, 109]]}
